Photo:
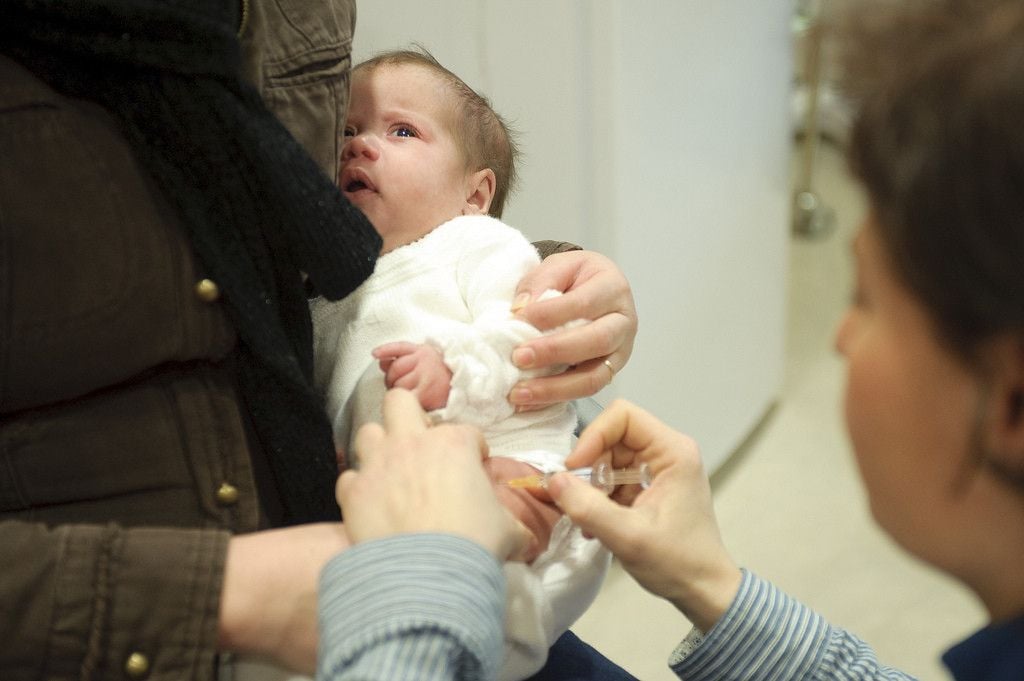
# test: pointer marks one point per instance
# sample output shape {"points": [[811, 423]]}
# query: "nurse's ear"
{"points": [[1003, 423]]}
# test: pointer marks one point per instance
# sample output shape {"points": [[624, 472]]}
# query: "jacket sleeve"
{"points": [[766, 635], [546, 248], [95, 602]]}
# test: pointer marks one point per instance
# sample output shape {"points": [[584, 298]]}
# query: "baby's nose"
{"points": [[363, 144]]}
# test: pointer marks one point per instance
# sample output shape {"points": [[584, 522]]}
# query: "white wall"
{"points": [[656, 132]]}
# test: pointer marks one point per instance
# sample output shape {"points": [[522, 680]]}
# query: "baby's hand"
{"points": [[538, 516], [419, 369]]}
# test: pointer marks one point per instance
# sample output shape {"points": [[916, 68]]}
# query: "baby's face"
{"points": [[400, 164]]}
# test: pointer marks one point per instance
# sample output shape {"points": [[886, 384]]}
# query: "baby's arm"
{"points": [[419, 369], [538, 516]]}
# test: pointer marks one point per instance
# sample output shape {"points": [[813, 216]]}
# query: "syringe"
{"points": [[601, 476]]}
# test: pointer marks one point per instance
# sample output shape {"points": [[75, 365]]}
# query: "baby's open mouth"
{"points": [[355, 180]]}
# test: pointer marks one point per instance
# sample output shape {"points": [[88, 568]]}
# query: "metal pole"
{"points": [[810, 216]]}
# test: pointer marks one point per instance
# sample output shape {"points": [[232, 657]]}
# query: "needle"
{"points": [[601, 476]]}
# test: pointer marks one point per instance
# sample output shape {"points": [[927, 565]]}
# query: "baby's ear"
{"points": [[479, 192]]}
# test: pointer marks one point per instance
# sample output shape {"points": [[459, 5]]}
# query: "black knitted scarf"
{"points": [[258, 210]]}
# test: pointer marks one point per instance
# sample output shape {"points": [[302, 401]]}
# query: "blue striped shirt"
{"points": [[766, 635], [416, 607], [429, 607]]}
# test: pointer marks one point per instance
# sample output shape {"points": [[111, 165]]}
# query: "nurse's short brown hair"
{"points": [[938, 142]]}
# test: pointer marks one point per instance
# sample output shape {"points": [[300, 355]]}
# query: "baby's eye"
{"points": [[403, 131], [349, 131]]}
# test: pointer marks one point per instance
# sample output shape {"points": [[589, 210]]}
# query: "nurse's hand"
{"points": [[595, 289], [665, 536], [415, 478]]}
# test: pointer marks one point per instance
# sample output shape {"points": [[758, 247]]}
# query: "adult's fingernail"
{"points": [[520, 302], [524, 357], [521, 396]]}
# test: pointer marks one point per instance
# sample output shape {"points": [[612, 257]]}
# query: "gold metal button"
{"points": [[136, 666], [207, 290], [227, 494]]}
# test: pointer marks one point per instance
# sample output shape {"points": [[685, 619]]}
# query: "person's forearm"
{"points": [[418, 606], [269, 601], [767, 635]]}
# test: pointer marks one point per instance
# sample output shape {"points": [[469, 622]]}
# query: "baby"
{"points": [[429, 162]]}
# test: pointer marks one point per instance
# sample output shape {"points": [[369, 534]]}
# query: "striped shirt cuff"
{"points": [[416, 606], [766, 634]]}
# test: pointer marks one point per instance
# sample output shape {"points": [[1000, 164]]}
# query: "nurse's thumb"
{"points": [[590, 509]]}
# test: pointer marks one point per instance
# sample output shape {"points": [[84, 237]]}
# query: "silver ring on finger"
{"points": [[611, 370]]}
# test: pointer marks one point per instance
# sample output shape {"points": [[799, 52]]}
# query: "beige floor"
{"points": [[790, 504]]}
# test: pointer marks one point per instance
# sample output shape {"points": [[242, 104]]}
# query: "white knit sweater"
{"points": [[453, 289]]}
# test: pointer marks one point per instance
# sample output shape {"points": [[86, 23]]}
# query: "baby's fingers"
{"points": [[398, 373], [393, 350]]}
